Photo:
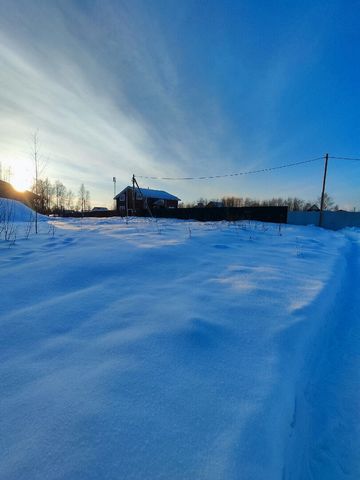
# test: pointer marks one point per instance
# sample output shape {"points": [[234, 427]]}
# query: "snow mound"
{"points": [[15, 211]]}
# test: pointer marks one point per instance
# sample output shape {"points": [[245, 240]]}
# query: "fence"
{"points": [[262, 214], [72, 214], [331, 220]]}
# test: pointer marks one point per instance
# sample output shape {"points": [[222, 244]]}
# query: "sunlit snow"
{"points": [[135, 349]]}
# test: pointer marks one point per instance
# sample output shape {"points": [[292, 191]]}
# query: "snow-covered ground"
{"points": [[179, 350]]}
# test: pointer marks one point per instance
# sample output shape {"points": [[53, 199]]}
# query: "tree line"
{"points": [[293, 203], [57, 198], [5, 173]]}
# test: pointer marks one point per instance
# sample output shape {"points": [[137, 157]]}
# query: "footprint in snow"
{"points": [[68, 240], [51, 244], [203, 335], [21, 256]]}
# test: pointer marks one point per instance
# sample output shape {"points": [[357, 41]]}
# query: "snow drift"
{"points": [[16, 211], [134, 349]]}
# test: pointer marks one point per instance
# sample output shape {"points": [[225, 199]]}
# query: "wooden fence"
{"points": [[262, 214]]}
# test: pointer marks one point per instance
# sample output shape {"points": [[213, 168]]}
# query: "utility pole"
{"points": [[133, 193], [36, 162], [323, 191], [142, 197], [114, 180]]}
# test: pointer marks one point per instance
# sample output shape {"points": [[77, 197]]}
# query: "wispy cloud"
{"points": [[106, 85], [103, 96]]}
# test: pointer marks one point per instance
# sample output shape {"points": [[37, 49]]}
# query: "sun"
{"points": [[20, 177], [20, 184]]}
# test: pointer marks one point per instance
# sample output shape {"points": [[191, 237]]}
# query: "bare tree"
{"points": [[233, 201], [293, 203], [60, 195], [5, 173], [7, 226], [298, 204], [87, 200], [328, 201], [45, 191], [69, 200], [83, 199], [36, 166]]}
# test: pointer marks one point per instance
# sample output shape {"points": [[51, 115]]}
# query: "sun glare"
{"points": [[20, 184], [20, 178]]}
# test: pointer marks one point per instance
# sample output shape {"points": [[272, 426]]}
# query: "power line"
{"points": [[346, 158], [249, 172]]}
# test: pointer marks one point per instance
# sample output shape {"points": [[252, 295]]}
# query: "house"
{"points": [[313, 208], [100, 209], [214, 204], [8, 191], [143, 198]]}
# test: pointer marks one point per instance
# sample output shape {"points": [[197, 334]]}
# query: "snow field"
{"points": [[171, 350]]}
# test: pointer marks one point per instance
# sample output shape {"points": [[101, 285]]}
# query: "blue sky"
{"points": [[189, 88]]}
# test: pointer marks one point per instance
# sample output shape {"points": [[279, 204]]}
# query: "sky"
{"points": [[178, 89]]}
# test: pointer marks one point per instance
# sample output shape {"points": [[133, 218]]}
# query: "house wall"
{"points": [[171, 203], [331, 220], [126, 202]]}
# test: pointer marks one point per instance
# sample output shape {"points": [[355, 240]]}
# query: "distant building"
{"points": [[313, 208], [215, 205], [144, 197], [99, 209]]}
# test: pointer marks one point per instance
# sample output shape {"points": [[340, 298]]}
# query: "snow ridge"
{"points": [[325, 437]]}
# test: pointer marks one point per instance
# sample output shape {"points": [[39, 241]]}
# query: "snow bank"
{"points": [[325, 440], [15, 211], [161, 350]]}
